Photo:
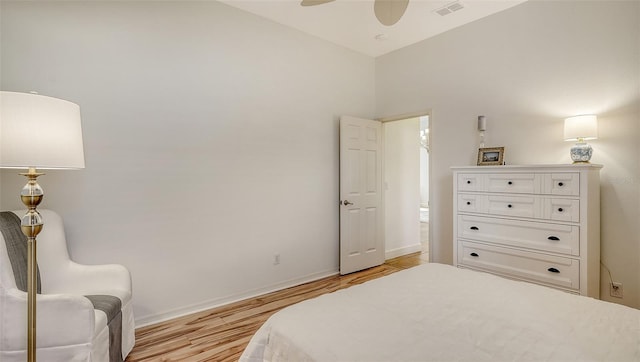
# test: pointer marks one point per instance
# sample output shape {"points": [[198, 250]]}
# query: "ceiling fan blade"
{"points": [[389, 12], [314, 2]]}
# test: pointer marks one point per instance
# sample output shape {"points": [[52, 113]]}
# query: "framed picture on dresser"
{"points": [[493, 156]]}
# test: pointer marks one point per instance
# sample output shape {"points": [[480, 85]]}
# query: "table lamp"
{"points": [[37, 132], [580, 129]]}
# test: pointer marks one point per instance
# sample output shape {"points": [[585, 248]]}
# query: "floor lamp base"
{"points": [[31, 225]]}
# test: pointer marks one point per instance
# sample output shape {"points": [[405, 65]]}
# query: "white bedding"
{"points": [[436, 312]]}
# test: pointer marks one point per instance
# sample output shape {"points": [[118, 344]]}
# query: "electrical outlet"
{"points": [[616, 289], [276, 259]]}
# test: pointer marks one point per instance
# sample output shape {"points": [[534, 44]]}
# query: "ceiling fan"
{"points": [[388, 12]]}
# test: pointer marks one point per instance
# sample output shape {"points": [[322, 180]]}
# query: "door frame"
{"points": [[401, 117]]}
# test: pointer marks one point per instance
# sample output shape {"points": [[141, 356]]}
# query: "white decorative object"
{"points": [[535, 223], [581, 129], [482, 123], [482, 127]]}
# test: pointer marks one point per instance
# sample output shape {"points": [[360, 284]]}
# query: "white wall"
{"points": [[526, 69], [210, 141], [402, 187]]}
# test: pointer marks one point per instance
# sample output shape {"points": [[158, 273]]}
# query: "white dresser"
{"points": [[535, 223]]}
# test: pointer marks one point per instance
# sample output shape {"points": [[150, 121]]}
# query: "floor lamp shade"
{"points": [[39, 132]]}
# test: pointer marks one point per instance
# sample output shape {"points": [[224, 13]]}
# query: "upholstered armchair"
{"points": [[69, 328]]}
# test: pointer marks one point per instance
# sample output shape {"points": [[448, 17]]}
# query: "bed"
{"points": [[436, 312]]}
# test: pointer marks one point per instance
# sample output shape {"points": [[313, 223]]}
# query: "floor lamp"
{"points": [[37, 132]]}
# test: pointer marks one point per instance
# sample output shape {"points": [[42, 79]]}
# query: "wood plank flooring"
{"points": [[221, 334]]}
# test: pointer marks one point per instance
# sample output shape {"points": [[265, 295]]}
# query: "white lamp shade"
{"points": [[581, 127], [40, 132]]}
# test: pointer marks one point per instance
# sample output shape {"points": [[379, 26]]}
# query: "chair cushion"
{"points": [[16, 243]]}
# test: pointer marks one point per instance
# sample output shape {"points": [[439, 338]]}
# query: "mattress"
{"points": [[435, 312]]}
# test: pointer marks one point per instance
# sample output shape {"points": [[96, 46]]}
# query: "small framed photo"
{"points": [[490, 156]]}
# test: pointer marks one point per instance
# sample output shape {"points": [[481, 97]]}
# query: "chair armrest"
{"points": [[61, 320], [74, 278]]}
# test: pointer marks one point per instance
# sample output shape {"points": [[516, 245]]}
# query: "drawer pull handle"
{"points": [[560, 184], [468, 182], [510, 183], [555, 238], [474, 228], [468, 202], [553, 270], [474, 255], [509, 206], [560, 209]]}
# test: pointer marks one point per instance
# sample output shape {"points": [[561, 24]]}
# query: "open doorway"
{"points": [[406, 185], [424, 185]]}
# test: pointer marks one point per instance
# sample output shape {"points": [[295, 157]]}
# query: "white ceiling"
{"points": [[352, 23]]}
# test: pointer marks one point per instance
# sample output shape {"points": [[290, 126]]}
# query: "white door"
{"points": [[361, 232]]}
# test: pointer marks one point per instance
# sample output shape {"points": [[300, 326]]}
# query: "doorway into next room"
{"points": [[424, 185], [406, 186]]}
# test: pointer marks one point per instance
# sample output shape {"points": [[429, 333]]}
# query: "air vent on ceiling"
{"points": [[449, 8]]}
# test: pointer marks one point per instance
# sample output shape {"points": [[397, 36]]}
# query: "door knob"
{"points": [[347, 203]]}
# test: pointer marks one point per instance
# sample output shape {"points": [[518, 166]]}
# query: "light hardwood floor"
{"points": [[221, 334]]}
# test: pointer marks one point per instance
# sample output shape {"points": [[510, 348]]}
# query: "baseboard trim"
{"points": [[219, 302], [394, 253]]}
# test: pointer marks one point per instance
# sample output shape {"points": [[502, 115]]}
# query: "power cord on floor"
{"points": [[608, 271]]}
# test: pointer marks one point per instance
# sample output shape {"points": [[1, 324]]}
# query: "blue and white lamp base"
{"points": [[581, 152]]}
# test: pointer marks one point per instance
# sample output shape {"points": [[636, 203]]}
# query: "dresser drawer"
{"points": [[547, 269], [555, 238], [517, 183], [562, 184], [562, 209], [470, 203], [518, 206], [470, 182]]}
